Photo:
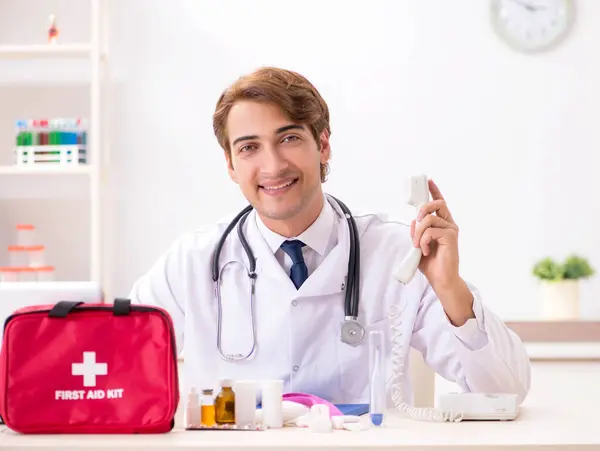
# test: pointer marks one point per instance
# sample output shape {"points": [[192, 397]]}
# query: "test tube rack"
{"points": [[51, 141]]}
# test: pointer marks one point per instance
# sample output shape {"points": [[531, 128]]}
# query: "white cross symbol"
{"points": [[89, 369]]}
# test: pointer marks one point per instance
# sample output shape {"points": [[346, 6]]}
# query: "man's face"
{"points": [[275, 162]]}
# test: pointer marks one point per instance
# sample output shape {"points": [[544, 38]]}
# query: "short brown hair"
{"points": [[292, 92]]}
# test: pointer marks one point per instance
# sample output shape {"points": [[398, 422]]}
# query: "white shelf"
{"points": [[45, 51], [46, 170]]}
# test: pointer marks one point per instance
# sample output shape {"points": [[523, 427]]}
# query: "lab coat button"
{"points": [[294, 303], [296, 367]]}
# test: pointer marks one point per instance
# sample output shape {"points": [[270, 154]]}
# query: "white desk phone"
{"points": [[454, 406]]}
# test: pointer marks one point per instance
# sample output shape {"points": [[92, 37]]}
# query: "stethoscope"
{"points": [[352, 332]]}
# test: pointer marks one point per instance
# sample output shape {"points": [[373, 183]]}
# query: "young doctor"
{"points": [[281, 315]]}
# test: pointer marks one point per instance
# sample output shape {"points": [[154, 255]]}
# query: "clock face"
{"points": [[532, 25]]}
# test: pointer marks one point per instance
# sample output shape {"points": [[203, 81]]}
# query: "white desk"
{"points": [[536, 428], [561, 413]]}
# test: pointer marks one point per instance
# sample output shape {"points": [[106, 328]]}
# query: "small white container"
{"points": [[28, 274], [37, 256], [272, 403], [245, 403], [18, 256], [25, 235], [8, 274], [45, 274]]}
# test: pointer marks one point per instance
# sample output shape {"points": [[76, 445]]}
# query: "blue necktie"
{"points": [[299, 271]]}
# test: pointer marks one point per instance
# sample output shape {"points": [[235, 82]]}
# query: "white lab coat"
{"points": [[298, 331]]}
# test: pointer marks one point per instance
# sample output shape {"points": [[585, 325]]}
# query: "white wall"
{"points": [[412, 86]]}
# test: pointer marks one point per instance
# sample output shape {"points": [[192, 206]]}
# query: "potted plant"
{"points": [[560, 286]]}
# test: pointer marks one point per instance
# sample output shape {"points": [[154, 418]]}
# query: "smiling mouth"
{"points": [[279, 187]]}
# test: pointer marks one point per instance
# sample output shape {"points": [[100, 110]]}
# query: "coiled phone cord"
{"points": [[416, 413]]}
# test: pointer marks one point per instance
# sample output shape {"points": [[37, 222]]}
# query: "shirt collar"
{"points": [[317, 236]]}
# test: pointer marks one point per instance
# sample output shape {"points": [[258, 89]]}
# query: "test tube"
{"points": [[377, 378]]}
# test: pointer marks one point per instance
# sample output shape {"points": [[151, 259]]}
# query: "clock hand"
{"points": [[527, 6]]}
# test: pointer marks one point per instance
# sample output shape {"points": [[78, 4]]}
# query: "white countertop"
{"points": [[560, 413], [534, 429]]}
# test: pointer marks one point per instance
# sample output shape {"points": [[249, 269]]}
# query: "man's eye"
{"points": [[248, 147], [290, 138]]}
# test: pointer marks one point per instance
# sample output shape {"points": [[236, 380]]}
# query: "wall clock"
{"points": [[532, 25]]}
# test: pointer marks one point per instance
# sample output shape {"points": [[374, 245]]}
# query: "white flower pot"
{"points": [[560, 300]]}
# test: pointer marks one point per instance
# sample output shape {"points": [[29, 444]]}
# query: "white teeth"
{"points": [[279, 186]]}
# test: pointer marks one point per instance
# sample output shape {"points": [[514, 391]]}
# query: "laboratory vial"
{"points": [[45, 273], [245, 403], [207, 410], [25, 235], [9, 274], [18, 256], [225, 403], [36, 255], [28, 274]]}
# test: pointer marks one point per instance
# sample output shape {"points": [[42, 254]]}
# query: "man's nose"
{"points": [[272, 162]]}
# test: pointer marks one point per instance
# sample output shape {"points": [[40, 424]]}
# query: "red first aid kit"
{"points": [[75, 368]]}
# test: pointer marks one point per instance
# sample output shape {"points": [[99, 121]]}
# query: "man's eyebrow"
{"points": [[289, 127], [285, 128], [244, 138]]}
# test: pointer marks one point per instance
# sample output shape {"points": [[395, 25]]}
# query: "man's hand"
{"points": [[437, 236]]}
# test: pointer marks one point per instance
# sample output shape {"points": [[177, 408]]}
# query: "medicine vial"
{"points": [[225, 403], [207, 411], [52, 30], [245, 403], [272, 403], [193, 409]]}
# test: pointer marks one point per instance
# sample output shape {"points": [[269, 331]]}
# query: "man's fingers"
{"points": [[418, 229], [436, 235], [437, 205]]}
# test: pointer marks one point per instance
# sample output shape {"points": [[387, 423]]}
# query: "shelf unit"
{"points": [[46, 51], [95, 53]]}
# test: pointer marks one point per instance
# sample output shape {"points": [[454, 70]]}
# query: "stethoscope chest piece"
{"points": [[352, 332]]}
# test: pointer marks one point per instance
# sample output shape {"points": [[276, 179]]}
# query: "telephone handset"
{"points": [[418, 188], [418, 195]]}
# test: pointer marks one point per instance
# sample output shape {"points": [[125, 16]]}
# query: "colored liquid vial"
{"points": [[207, 410], [53, 30], [225, 403]]}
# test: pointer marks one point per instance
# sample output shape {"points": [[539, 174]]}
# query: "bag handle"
{"points": [[121, 307], [61, 309]]}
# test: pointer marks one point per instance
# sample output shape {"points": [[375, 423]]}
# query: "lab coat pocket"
{"points": [[353, 363]]}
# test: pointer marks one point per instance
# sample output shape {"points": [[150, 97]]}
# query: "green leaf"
{"points": [[548, 269], [577, 268]]}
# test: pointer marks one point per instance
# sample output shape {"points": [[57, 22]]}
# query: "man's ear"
{"points": [[230, 168], [325, 148]]}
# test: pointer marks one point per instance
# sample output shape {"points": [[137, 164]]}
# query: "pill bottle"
{"points": [[25, 235], [193, 409], [37, 256], [225, 403], [245, 403], [18, 256], [272, 403], [45, 274], [207, 410], [10, 274]]}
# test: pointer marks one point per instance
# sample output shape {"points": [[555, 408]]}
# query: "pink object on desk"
{"points": [[311, 400]]}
